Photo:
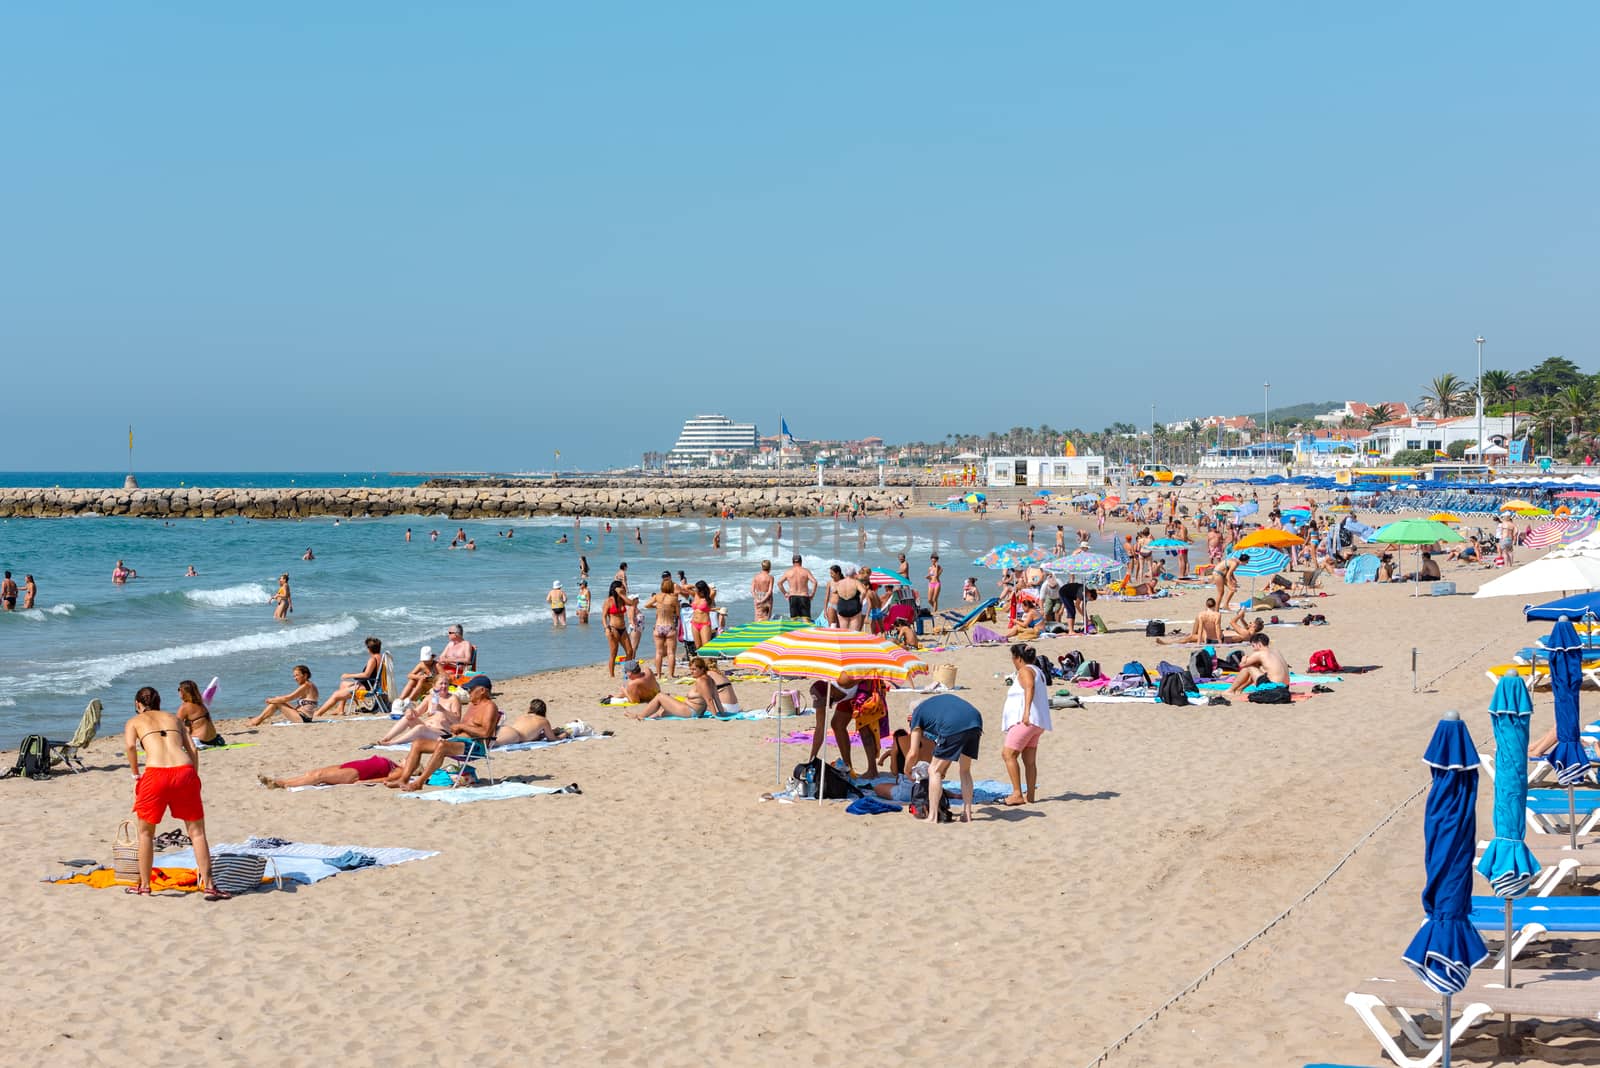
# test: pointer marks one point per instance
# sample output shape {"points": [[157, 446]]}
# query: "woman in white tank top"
{"points": [[1025, 719]]}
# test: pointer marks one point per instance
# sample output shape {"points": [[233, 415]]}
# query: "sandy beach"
{"points": [[669, 916]]}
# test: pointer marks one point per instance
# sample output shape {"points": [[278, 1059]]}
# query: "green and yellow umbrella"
{"points": [[736, 640]]}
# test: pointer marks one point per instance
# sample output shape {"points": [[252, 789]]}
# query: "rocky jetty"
{"points": [[456, 500]]}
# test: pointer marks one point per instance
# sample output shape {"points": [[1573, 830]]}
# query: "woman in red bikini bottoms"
{"points": [[170, 781], [369, 769]]}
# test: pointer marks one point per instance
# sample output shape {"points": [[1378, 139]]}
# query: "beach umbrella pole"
{"points": [[1444, 1037], [1508, 955], [1572, 819]]}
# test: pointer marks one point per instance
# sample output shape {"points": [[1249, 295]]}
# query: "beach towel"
{"points": [[514, 747], [498, 792], [871, 805], [335, 719], [303, 862], [984, 791], [982, 635], [728, 717], [161, 879]]}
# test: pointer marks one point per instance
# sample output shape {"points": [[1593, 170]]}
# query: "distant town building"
{"points": [[1359, 412], [706, 438], [1435, 435]]}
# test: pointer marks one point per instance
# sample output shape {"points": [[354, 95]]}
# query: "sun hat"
{"points": [[426, 654], [479, 682], [556, 585]]}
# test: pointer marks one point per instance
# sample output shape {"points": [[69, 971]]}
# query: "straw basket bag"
{"points": [[125, 853], [945, 675]]}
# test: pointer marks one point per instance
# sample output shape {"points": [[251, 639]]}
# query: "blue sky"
{"points": [[463, 236]]}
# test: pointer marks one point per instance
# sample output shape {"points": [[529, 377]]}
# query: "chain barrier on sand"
{"points": [[1236, 950]]}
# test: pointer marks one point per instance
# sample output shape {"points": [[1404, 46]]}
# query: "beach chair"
{"points": [[378, 700], [473, 756], [1548, 995], [1548, 811], [70, 753], [958, 625]]}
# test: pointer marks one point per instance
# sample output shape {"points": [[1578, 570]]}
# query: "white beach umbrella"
{"points": [[1546, 575]]}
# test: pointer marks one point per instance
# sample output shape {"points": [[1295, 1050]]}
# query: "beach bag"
{"points": [[238, 873], [1272, 695], [1171, 691], [1133, 667], [1070, 662], [1089, 669], [125, 853], [919, 802], [1155, 629], [835, 786], [1202, 665], [1231, 662], [1323, 662], [33, 758]]}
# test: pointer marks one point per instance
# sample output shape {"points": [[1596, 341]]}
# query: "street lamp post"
{"points": [[1266, 405], [1154, 458], [1480, 400], [1511, 442]]}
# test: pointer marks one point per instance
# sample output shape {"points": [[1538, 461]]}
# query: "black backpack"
{"points": [[1172, 691], [835, 786], [1155, 629], [1202, 665], [919, 802], [33, 758], [1232, 661], [1271, 695]]}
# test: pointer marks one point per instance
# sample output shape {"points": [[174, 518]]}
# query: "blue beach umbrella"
{"points": [[1447, 947], [1508, 864], [1263, 561], [1568, 758]]}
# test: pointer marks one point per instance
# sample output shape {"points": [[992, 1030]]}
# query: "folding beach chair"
{"points": [[1548, 995], [69, 753], [959, 626], [378, 700], [475, 753]]}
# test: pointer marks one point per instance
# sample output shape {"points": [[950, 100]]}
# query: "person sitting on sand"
{"points": [[711, 694], [639, 685], [532, 726], [1207, 628], [437, 717], [1386, 568], [196, 717], [420, 680], [1428, 572], [371, 769], [1465, 551], [296, 706], [351, 681], [1262, 664], [170, 781], [473, 736]]}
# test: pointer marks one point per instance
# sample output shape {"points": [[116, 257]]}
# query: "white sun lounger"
{"points": [[1557, 863], [1549, 995]]}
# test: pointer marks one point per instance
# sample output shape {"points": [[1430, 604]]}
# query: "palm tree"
{"points": [[1496, 387], [1379, 413], [1575, 405], [1445, 396]]}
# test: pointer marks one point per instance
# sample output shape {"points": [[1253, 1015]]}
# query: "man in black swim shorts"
{"points": [[798, 584]]}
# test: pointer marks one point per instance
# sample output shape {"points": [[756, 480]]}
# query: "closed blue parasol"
{"points": [[1447, 946], [1568, 758], [1507, 863]]}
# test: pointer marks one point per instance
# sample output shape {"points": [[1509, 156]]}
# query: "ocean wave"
{"points": [[8, 702], [248, 593], [398, 612], [39, 615], [87, 676]]}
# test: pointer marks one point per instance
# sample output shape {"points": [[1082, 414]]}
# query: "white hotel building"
{"points": [[705, 435]]}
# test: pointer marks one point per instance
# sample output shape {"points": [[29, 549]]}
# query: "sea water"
{"points": [[89, 638]]}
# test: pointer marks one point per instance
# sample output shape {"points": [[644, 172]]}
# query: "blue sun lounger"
{"points": [[961, 625], [1533, 916], [1548, 809]]}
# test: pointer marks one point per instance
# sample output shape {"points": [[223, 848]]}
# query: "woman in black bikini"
{"points": [[196, 716]]}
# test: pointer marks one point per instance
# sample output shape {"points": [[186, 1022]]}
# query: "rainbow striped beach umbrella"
{"points": [[828, 653], [736, 640], [1012, 554]]}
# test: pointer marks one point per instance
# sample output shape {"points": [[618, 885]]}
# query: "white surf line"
{"points": [[1236, 950]]}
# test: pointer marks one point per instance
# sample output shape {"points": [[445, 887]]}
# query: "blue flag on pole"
{"points": [[787, 437]]}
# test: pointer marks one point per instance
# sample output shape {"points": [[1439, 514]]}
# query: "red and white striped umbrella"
{"points": [[1546, 534]]}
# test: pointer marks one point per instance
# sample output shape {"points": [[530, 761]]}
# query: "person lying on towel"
{"points": [[532, 726], [1262, 664]]}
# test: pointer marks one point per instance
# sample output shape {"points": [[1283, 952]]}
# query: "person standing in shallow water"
{"points": [[282, 599]]}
